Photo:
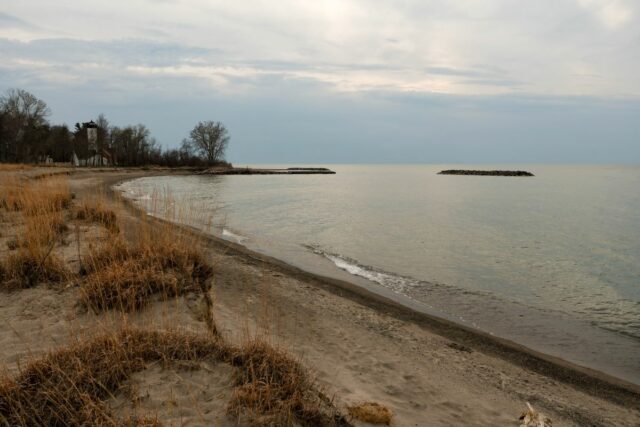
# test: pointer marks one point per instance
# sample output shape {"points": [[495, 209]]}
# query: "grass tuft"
{"points": [[69, 386], [274, 389], [40, 205], [126, 276], [28, 267], [371, 412], [98, 212], [45, 229]]}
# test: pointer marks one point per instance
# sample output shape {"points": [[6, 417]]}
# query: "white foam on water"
{"points": [[391, 281], [127, 189], [230, 235]]}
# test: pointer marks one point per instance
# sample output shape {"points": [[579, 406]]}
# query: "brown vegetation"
{"points": [[13, 244], [28, 267], [97, 211], [39, 208], [35, 197], [11, 167], [371, 412], [126, 275], [44, 229], [274, 389], [70, 386]]}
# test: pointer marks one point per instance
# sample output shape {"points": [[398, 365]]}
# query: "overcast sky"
{"points": [[434, 81]]}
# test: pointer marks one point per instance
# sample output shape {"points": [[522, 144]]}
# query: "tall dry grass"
{"points": [[274, 389], [98, 208], [39, 207], [27, 268], [126, 274], [69, 386], [97, 211], [126, 271], [12, 167], [32, 197], [371, 412]]}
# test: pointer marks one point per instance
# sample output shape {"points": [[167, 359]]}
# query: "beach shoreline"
{"points": [[509, 350], [365, 347], [589, 380]]}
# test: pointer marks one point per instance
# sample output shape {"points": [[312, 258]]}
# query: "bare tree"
{"points": [[24, 107], [23, 115], [210, 140], [103, 132]]}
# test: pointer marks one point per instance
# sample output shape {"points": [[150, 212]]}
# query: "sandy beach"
{"points": [[360, 347]]}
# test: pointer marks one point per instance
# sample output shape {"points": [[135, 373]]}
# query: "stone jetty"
{"points": [[484, 173], [255, 171]]}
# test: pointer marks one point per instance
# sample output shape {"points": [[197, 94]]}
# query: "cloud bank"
{"points": [[345, 81]]}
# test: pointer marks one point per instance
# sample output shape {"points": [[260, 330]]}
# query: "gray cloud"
{"points": [[338, 80], [11, 21], [71, 51]]}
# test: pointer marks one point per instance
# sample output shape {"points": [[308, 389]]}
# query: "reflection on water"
{"points": [[551, 261]]}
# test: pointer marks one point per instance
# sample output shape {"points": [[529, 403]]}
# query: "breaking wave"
{"points": [[230, 235], [395, 282]]}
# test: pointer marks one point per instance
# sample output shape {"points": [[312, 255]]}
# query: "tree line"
{"points": [[26, 136]]}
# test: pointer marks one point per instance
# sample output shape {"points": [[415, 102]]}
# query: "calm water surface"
{"points": [[552, 261]]}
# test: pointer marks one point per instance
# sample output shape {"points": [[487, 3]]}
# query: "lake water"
{"points": [[551, 261]]}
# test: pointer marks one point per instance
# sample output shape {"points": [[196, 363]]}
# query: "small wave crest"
{"points": [[129, 191], [395, 282], [230, 235]]}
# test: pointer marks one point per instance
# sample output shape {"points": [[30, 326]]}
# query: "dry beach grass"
{"points": [[97, 211], [68, 386], [125, 275], [71, 384], [39, 206], [371, 412]]}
